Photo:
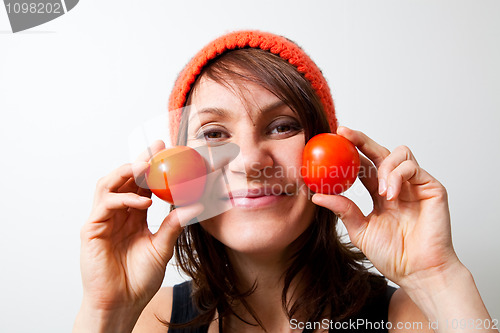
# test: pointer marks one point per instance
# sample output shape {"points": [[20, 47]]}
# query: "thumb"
{"points": [[171, 227], [350, 214]]}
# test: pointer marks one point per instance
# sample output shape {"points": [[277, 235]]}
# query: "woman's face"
{"points": [[268, 198]]}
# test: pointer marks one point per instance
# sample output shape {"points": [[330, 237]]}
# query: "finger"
{"points": [[141, 164], [368, 176], [375, 152], [164, 239], [113, 202], [139, 169], [129, 186], [398, 156], [407, 171], [350, 214], [154, 148], [116, 179], [140, 214], [144, 192]]}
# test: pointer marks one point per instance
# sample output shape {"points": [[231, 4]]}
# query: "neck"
{"points": [[267, 270]]}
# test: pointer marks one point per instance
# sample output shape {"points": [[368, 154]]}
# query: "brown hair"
{"points": [[337, 279]]}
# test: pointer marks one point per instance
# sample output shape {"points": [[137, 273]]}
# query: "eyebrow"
{"points": [[224, 113]]}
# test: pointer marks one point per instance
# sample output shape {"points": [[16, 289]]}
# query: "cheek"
{"points": [[288, 157]]}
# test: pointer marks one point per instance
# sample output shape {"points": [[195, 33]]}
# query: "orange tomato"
{"points": [[177, 175], [330, 163]]}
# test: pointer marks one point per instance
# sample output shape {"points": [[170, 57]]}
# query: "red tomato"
{"points": [[330, 163], [177, 175]]}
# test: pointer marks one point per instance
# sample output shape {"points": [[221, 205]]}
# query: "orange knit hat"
{"points": [[279, 45]]}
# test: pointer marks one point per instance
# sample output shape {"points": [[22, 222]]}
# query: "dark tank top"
{"points": [[372, 317]]}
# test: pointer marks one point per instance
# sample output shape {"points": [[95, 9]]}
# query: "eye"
{"points": [[281, 128], [211, 134]]}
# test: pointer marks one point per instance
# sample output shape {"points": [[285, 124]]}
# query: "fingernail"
{"points": [[390, 193], [341, 129], [381, 187], [316, 198]]}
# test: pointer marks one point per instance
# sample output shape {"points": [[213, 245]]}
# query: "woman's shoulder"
{"points": [[157, 312], [401, 309]]}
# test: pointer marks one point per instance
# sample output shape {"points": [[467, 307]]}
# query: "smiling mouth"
{"points": [[257, 197], [259, 192]]}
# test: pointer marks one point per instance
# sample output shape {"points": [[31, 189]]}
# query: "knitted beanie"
{"points": [[286, 49]]}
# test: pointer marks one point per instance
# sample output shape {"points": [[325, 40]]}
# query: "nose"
{"points": [[253, 158]]}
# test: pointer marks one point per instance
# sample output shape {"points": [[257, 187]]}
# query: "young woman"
{"points": [[274, 262]]}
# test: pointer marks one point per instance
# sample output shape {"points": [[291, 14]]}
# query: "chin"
{"points": [[258, 232]]}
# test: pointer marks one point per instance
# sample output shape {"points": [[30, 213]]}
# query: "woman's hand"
{"points": [[122, 263], [407, 234]]}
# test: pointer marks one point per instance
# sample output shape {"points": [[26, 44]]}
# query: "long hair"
{"points": [[334, 272]]}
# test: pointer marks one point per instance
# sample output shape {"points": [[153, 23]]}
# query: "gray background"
{"points": [[421, 73], [24, 19]]}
